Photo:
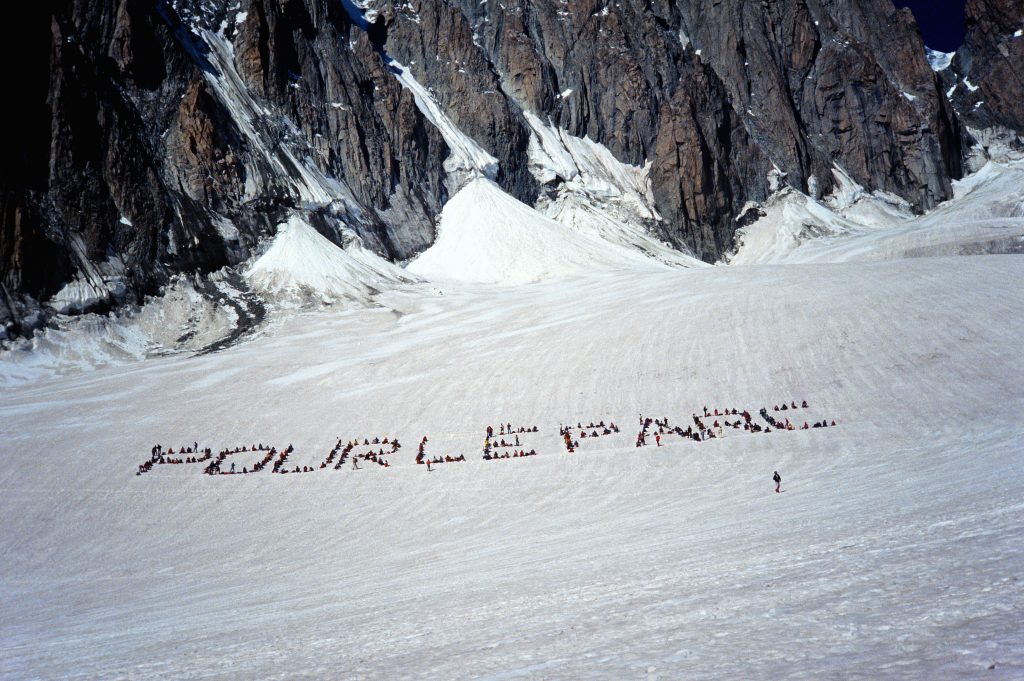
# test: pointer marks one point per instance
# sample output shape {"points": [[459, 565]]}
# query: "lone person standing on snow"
{"points": [[778, 481]]}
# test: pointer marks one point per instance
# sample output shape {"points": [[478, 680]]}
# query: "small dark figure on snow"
{"points": [[778, 481]]}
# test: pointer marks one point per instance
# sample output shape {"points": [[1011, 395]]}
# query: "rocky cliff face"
{"points": [[168, 136], [985, 81]]}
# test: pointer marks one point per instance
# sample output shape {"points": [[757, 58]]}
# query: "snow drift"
{"points": [[488, 236], [302, 266]]}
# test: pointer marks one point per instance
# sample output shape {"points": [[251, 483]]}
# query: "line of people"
{"points": [[785, 424], [422, 458], [158, 456], [376, 457], [214, 467], [699, 431], [509, 455], [507, 429], [596, 430]]}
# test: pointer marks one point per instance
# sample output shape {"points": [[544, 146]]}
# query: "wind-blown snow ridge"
{"points": [[301, 265], [485, 235]]}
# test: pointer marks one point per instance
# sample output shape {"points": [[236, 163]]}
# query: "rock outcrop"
{"points": [[986, 78]]}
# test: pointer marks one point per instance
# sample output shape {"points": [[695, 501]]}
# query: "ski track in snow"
{"points": [[895, 552]]}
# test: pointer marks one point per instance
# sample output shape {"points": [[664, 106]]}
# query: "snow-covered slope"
{"points": [[487, 236], [987, 216], [191, 314], [302, 265], [894, 551]]}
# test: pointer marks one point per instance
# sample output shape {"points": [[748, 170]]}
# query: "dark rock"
{"points": [[988, 69], [145, 127]]}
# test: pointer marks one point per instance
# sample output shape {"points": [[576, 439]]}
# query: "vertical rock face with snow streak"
{"points": [[985, 81], [590, 191], [205, 123]]}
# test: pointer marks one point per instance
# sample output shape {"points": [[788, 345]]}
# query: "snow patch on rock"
{"points": [[468, 159], [939, 61], [596, 194], [312, 186]]}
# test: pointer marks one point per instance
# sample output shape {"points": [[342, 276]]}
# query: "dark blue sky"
{"points": [[941, 21]]}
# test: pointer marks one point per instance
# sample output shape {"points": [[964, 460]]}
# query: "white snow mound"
{"points": [[487, 236], [984, 218], [302, 265]]}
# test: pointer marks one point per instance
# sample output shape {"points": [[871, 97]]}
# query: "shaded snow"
{"points": [[178, 320], [95, 283], [939, 61], [80, 294]]}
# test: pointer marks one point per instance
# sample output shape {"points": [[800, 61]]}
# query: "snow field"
{"points": [[895, 551]]}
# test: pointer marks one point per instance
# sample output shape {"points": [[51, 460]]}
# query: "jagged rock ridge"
{"points": [[162, 137]]}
